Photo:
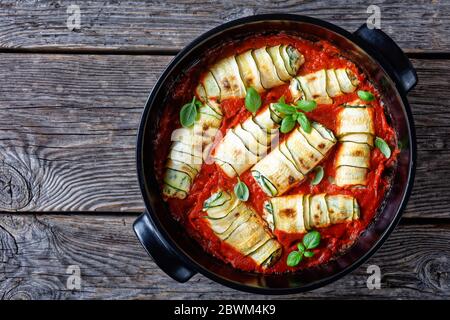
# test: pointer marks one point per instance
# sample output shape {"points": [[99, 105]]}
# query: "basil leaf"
{"points": [[311, 240], [318, 176], [309, 254], [301, 247], [306, 105], [284, 108], [294, 258], [252, 100], [281, 99], [365, 95], [287, 124], [304, 122], [383, 146], [241, 191], [188, 114]]}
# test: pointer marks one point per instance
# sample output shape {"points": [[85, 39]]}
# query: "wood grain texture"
{"points": [[68, 126], [418, 26], [36, 252]]}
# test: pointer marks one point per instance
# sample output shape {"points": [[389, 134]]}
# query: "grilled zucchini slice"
{"points": [[333, 88], [300, 213], [226, 73], [314, 86], [267, 70], [249, 71], [177, 179], [351, 176], [278, 61], [292, 58], [232, 150], [348, 82]]}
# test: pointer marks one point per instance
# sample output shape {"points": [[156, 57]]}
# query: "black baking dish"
{"points": [[180, 256]]}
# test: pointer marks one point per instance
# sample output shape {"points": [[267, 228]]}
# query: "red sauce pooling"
{"points": [[335, 238]]}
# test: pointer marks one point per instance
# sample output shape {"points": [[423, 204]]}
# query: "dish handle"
{"points": [[382, 43], [161, 252]]}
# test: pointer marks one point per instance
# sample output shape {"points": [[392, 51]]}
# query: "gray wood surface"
{"points": [[418, 26], [68, 125], [36, 252]]}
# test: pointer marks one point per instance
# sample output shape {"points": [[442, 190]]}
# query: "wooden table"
{"points": [[70, 102]]}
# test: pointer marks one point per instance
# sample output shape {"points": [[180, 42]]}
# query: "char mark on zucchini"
{"points": [[242, 228], [289, 163], [302, 212], [247, 143], [323, 85], [356, 136]]}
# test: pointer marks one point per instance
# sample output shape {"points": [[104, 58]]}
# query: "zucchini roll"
{"points": [[356, 134], [292, 159], [321, 86], [242, 228], [300, 213], [248, 142], [261, 68], [226, 73], [186, 153]]}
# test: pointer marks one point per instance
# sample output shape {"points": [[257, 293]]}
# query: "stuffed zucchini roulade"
{"points": [[262, 68], [242, 228], [189, 147], [292, 159], [356, 135], [300, 213], [248, 142], [323, 85]]}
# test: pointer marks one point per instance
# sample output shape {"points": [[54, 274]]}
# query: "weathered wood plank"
{"points": [[68, 125], [36, 252], [418, 26]]}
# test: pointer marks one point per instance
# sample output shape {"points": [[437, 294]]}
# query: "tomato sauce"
{"points": [[335, 238]]}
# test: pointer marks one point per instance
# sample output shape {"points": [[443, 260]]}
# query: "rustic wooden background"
{"points": [[70, 103]]}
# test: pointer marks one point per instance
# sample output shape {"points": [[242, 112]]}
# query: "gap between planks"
{"points": [[444, 55]]}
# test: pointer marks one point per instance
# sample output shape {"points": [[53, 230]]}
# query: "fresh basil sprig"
{"points": [[310, 241], [284, 108], [241, 191], [365, 95], [252, 100], [189, 113], [383, 146], [295, 113]]}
